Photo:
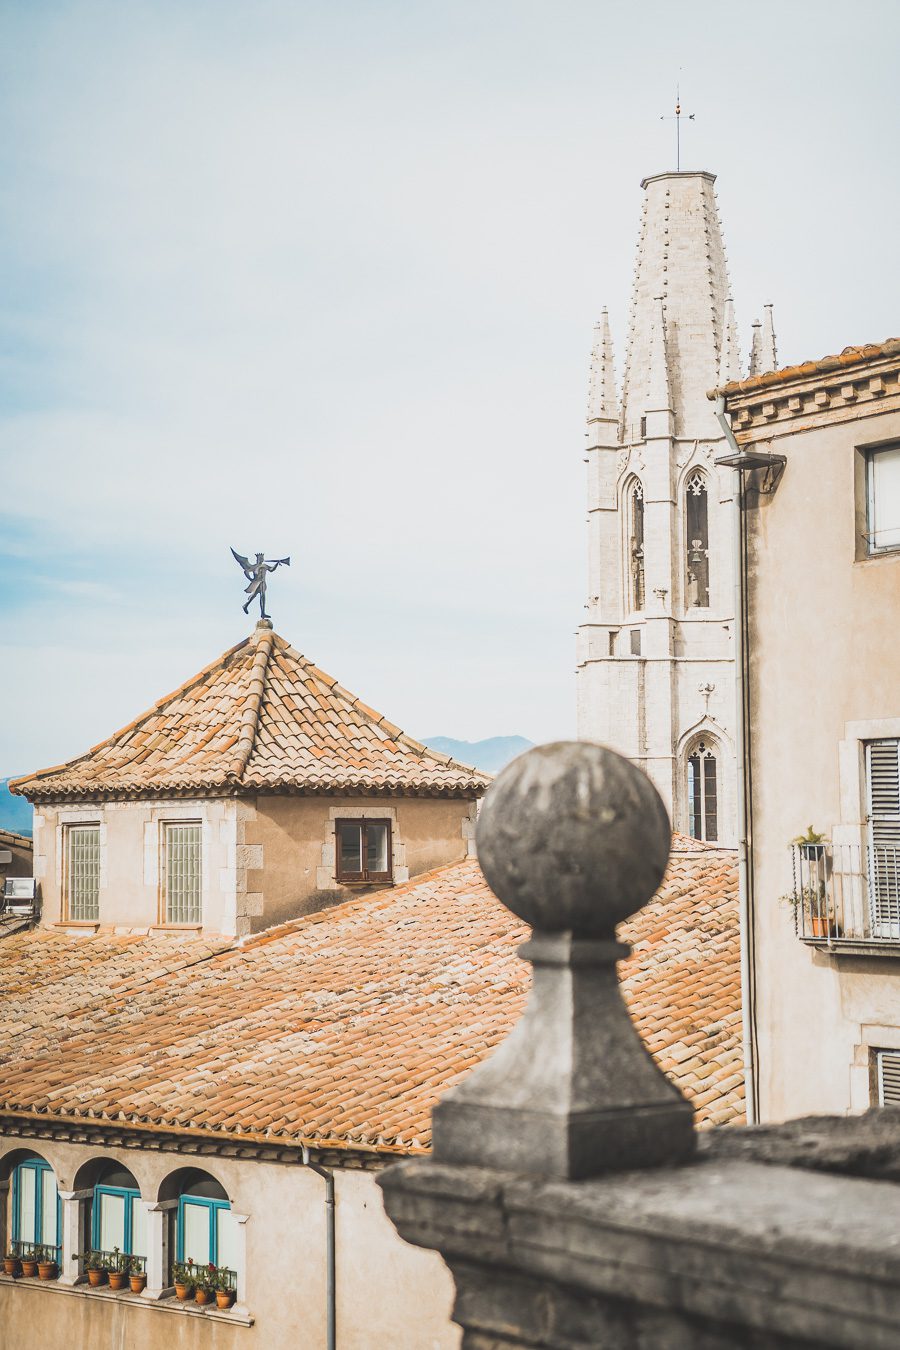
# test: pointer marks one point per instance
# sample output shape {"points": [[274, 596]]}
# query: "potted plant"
{"points": [[95, 1265], [225, 1295], [47, 1267], [137, 1276], [29, 1264], [205, 1288], [11, 1263], [184, 1278], [118, 1269]]}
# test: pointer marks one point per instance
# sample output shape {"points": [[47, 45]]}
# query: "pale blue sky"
{"points": [[320, 279]]}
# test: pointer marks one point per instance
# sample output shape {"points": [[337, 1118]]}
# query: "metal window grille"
{"points": [[84, 872], [888, 1077], [183, 873]]}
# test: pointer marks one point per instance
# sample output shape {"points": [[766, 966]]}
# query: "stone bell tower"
{"points": [[655, 666]]}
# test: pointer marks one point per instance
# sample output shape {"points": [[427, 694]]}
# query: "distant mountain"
{"points": [[489, 755], [15, 812]]}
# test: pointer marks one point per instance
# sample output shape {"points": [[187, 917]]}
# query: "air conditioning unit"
{"points": [[19, 895]]}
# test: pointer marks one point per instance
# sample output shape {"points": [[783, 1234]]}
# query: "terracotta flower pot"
{"points": [[202, 1294], [29, 1267], [138, 1282], [819, 925], [96, 1278], [184, 1291], [47, 1270], [117, 1279], [224, 1298], [12, 1265]]}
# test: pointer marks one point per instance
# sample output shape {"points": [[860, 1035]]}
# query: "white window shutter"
{"points": [[888, 1077]]}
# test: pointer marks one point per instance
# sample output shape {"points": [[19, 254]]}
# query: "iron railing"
{"points": [[847, 893], [223, 1276], [117, 1260], [37, 1251]]}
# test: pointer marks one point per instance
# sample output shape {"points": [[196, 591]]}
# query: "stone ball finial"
{"points": [[572, 837]]}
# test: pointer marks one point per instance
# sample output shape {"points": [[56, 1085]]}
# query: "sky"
{"points": [[319, 279]]}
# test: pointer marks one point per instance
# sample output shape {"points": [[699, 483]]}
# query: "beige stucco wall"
{"points": [[389, 1295], [288, 845], [824, 677], [265, 860]]}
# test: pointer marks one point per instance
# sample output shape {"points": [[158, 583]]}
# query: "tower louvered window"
{"points": [[83, 873], [883, 789], [696, 510], [637, 546], [181, 844]]}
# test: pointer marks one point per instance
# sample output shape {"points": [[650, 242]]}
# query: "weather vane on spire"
{"points": [[256, 573], [677, 120]]}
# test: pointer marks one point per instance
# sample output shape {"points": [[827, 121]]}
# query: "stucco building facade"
{"points": [[656, 648], [822, 540]]}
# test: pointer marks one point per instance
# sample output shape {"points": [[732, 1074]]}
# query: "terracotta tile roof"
{"points": [[342, 1029], [9, 839], [850, 356], [262, 718]]}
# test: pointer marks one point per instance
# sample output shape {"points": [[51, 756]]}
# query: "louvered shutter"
{"points": [[888, 1077], [883, 785]]}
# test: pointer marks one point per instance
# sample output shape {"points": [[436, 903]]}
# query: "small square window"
{"points": [[363, 850], [883, 499]]}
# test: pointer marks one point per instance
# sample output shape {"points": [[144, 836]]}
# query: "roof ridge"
{"points": [[249, 724], [15, 784]]}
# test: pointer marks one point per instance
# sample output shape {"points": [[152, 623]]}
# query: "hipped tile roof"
{"points": [[260, 718], [342, 1029]]}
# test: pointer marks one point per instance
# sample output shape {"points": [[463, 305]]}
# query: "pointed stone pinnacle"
{"points": [[756, 350], [769, 354], [729, 353], [602, 402]]}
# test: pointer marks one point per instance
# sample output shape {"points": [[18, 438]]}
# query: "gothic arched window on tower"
{"points": [[702, 794], [636, 545], [697, 521]]}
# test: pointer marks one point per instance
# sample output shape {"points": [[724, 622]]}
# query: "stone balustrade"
{"points": [[568, 1192]]}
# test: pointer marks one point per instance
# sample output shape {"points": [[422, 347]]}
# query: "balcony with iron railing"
{"points": [[846, 897]]}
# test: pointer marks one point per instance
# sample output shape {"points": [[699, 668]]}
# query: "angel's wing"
{"points": [[244, 562]]}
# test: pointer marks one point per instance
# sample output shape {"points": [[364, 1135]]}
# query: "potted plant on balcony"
{"points": [[225, 1295], [95, 1266], [117, 1269], [47, 1266], [205, 1288], [29, 1264], [184, 1278], [137, 1275], [11, 1263]]}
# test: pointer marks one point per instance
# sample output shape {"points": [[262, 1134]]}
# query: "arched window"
{"points": [[118, 1218], [636, 544], [702, 793], [35, 1208], [205, 1230], [696, 511]]}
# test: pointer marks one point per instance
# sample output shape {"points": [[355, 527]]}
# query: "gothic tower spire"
{"points": [[769, 354], [680, 257], [756, 350]]}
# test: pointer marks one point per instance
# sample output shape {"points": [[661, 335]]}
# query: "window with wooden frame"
{"points": [[82, 873], [363, 850], [883, 500], [182, 872]]}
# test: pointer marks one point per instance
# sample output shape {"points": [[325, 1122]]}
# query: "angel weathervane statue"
{"points": [[256, 573]]}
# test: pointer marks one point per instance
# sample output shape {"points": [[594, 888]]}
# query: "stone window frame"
{"points": [[862, 500], [632, 488], [326, 873], [363, 877], [67, 817], [165, 824], [162, 813]]}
